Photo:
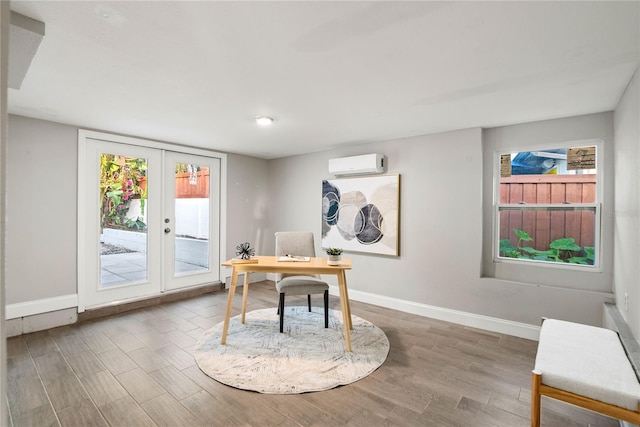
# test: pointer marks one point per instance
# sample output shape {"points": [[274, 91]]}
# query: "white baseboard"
{"points": [[494, 324], [41, 322], [523, 330], [30, 308]]}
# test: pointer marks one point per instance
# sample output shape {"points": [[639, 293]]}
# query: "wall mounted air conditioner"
{"points": [[357, 165]]}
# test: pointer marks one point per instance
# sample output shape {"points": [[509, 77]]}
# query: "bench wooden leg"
{"points": [[536, 380]]}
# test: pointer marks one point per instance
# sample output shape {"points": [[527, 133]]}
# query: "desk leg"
{"points": [[245, 294], [346, 310], [232, 291], [346, 299]]}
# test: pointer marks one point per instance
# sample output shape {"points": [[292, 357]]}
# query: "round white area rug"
{"points": [[305, 357]]}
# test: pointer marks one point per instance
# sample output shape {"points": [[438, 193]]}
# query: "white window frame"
{"points": [[596, 207]]}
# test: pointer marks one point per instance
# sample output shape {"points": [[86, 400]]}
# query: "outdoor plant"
{"points": [[334, 251], [136, 224], [564, 249], [120, 182]]}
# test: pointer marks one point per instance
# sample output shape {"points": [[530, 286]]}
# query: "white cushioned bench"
{"points": [[585, 366]]}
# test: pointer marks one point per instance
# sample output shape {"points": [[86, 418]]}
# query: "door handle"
{"points": [[167, 230]]}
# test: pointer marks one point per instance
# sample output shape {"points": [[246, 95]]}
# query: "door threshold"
{"points": [[134, 304]]}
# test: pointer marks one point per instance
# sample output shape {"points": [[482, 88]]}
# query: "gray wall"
{"points": [[41, 196], [546, 134], [627, 205], [441, 225], [429, 241], [441, 219], [247, 203], [41, 208], [4, 44]]}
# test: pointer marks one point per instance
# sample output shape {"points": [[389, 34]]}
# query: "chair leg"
{"points": [[281, 311], [326, 308], [309, 302]]}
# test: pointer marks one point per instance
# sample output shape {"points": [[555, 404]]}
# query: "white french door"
{"points": [[191, 220], [148, 221]]}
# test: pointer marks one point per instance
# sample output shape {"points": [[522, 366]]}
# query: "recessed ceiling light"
{"points": [[264, 120]]}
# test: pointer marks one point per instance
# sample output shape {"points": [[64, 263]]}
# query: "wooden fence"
{"points": [[547, 226], [185, 190]]}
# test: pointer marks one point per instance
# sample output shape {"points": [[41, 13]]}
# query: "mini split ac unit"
{"points": [[357, 165]]}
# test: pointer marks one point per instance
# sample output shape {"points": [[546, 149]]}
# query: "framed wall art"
{"points": [[362, 214]]}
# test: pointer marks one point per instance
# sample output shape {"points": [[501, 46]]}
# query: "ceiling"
{"points": [[330, 73]]}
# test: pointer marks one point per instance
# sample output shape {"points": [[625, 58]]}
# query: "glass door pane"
{"points": [[123, 223], [191, 252]]}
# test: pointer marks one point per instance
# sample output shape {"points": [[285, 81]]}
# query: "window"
{"points": [[547, 207]]}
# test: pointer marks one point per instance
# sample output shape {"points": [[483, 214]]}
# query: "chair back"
{"points": [[298, 243]]}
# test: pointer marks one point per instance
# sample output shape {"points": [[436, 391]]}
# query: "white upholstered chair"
{"points": [[299, 243]]}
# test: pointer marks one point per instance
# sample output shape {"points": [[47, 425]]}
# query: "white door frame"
{"points": [[83, 136]]}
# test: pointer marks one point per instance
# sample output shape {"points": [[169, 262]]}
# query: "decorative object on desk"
{"points": [[362, 214], [245, 251], [305, 358], [335, 256]]}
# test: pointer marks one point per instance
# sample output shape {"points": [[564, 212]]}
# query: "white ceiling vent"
{"points": [[357, 165], [25, 35]]}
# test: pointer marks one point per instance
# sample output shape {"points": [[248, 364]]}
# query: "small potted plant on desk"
{"points": [[335, 256]]}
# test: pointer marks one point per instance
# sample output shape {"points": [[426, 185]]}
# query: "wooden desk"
{"points": [[270, 264]]}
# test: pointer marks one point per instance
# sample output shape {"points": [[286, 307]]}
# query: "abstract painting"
{"points": [[362, 214]]}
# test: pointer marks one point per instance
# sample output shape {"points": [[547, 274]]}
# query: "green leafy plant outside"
{"points": [[563, 250], [121, 180]]}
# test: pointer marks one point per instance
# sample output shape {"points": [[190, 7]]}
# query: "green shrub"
{"points": [[564, 250]]}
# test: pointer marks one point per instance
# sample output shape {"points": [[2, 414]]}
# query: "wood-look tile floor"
{"points": [[137, 369]]}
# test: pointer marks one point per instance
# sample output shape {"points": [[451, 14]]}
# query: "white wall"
{"points": [[626, 213], [192, 217]]}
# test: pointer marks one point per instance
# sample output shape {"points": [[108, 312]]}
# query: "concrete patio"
{"points": [[121, 268]]}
